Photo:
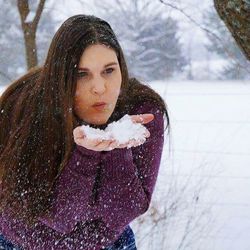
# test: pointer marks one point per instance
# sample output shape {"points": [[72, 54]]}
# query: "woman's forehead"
{"points": [[97, 54]]}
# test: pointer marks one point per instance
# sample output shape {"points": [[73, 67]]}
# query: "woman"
{"points": [[61, 190]]}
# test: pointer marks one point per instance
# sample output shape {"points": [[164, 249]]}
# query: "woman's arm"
{"points": [[126, 186], [39, 237], [129, 176], [73, 191], [70, 224]]}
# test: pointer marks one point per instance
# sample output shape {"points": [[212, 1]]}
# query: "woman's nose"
{"points": [[99, 87]]}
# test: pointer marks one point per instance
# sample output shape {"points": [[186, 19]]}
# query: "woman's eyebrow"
{"points": [[109, 64]]}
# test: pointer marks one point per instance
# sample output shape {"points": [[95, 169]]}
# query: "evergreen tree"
{"points": [[149, 39]]}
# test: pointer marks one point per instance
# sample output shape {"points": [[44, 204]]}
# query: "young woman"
{"points": [[59, 189]]}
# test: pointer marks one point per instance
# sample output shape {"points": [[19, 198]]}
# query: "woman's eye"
{"points": [[109, 71], [81, 74]]}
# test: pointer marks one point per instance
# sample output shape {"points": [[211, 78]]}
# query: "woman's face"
{"points": [[99, 80]]}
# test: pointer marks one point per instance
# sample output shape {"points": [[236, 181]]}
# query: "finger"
{"points": [[147, 133], [78, 133], [123, 145], [143, 118], [96, 142], [103, 145], [113, 144], [80, 140], [87, 142], [141, 141], [131, 143], [137, 142]]}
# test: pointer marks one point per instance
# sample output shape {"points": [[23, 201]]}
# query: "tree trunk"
{"points": [[30, 46], [236, 16], [29, 28]]}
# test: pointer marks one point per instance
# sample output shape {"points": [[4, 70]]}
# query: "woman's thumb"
{"points": [[143, 118]]}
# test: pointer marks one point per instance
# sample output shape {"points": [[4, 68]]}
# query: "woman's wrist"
{"points": [[118, 164], [86, 151]]}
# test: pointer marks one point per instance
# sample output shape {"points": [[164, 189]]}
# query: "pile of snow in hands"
{"points": [[122, 131]]}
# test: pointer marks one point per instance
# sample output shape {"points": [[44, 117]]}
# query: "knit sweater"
{"points": [[80, 220]]}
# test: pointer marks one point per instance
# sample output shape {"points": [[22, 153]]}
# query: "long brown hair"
{"points": [[37, 116]]}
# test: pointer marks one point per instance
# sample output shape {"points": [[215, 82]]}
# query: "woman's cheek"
{"points": [[77, 93]]}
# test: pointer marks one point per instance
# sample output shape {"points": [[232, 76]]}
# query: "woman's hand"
{"points": [[143, 119], [107, 145], [92, 144]]}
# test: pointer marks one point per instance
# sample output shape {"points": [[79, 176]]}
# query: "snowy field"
{"points": [[207, 168], [202, 197]]}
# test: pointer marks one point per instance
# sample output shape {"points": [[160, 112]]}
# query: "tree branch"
{"points": [[38, 13], [23, 7], [29, 30], [228, 52]]}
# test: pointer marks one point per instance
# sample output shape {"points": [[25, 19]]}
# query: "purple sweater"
{"points": [[79, 219]]}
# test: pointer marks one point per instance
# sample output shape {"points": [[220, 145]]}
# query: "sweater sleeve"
{"points": [[70, 223], [88, 236], [129, 176], [73, 191], [147, 157], [65, 227]]}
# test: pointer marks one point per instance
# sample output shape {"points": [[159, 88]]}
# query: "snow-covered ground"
{"points": [[209, 164], [202, 197]]}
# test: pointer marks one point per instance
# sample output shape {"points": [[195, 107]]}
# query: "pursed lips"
{"points": [[99, 104]]}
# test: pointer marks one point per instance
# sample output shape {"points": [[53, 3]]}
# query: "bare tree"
{"points": [[236, 16], [237, 67], [13, 56], [238, 62], [29, 28]]}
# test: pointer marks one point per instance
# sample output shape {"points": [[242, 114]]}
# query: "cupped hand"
{"points": [[143, 119], [93, 144], [99, 144]]}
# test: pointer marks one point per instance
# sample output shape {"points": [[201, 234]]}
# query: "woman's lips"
{"points": [[99, 106]]}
